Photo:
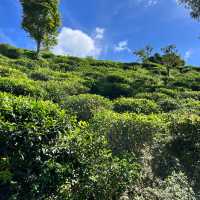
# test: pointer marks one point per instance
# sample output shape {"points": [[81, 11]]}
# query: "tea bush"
{"points": [[94, 173], [189, 94], [185, 130], [28, 129], [112, 86], [169, 104], [142, 140], [128, 132], [144, 106], [155, 96], [50, 156], [58, 90], [11, 72], [191, 104], [175, 187], [84, 106], [23, 87], [38, 76], [10, 51]]}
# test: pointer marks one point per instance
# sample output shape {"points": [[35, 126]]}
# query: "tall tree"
{"points": [[144, 54], [194, 6], [171, 59], [41, 19]]}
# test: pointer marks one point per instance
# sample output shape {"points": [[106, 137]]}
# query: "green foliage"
{"points": [[84, 106], [28, 129], [193, 6], [128, 132], [5, 175], [95, 172], [112, 85], [190, 94], [145, 83], [169, 104], [156, 58], [58, 90], [149, 150], [155, 96], [185, 145], [144, 106], [41, 20], [192, 104], [144, 54], [10, 52], [21, 87], [31, 63], [175, 187], [47, 159], [171, 59], [38, 76], [9, 72]]}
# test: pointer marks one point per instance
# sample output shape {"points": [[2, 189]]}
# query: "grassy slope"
{"points": [[83, 86], [70, 76]]}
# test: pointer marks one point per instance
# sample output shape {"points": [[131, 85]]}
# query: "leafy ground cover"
{"points": [[74, 128]]}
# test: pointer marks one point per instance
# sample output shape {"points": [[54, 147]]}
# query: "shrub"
{"points": [[175, 187], [155, 96], [128, 132], [38, 76], [60, 59], [117, 77], [30, 63], [111, 85], [110, 89], [51, 158], [30, 54], [46, 155], [29, 128], [185, 145], [63, 63], [84, 106], [95, 172], [170, 92], [107, 64], [169, 104], [48, 55], [23, 87], [10, 52], [135, 105], [191, 104], [58, 90], [145, 83], [190, 94], [24, 62], [10, 72], [64, 67]]}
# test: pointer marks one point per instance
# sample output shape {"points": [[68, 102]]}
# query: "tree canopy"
{"points": [[194, 6], [41, 20]]}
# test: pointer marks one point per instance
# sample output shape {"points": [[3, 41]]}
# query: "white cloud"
{"points": [[76, 43], [122, 46], [151, 3], [146, 3], [188, 54], [99, 33]]}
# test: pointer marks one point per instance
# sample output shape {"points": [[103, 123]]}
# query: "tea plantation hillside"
{"points": [[83, 129]]}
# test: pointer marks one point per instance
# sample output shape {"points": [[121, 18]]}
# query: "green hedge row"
{"points": [[45, 154]]}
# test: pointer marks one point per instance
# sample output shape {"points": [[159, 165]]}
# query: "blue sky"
{"points": [[111, 29]]}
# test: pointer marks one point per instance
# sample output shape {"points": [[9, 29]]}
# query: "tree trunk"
{"points": [[168, 71], [38, 48]]}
